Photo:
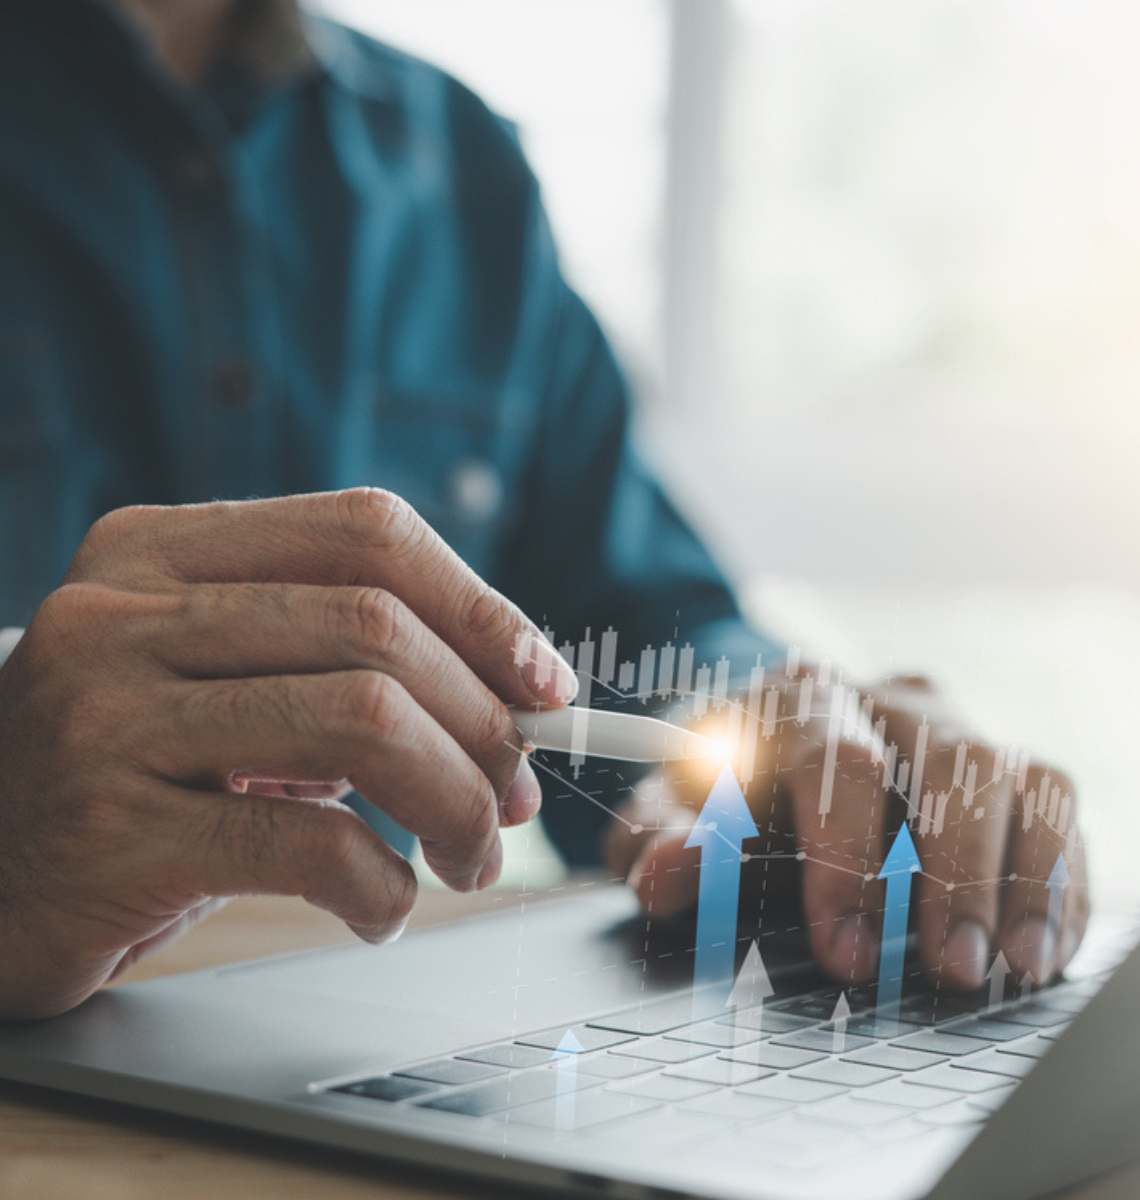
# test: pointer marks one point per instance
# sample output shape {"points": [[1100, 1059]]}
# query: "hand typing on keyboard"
{"points": [[988, 826]]}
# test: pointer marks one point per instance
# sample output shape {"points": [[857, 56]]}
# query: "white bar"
{"points": [[625, 736]]}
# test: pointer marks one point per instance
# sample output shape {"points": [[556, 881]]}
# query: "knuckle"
{"points": [[374, 703], [482, 820], [377, 621], [112, 529], [377, 517], [487, 615], [495, 740], [402, 890]]}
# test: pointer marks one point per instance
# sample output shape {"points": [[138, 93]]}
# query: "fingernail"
{"points": [[492, 867], [854, 948], [239, 781], [965, 955], [524, 796], [545, 672], [380, 935]]}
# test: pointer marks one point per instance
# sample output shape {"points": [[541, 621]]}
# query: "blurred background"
{"points": [[874, 271]]}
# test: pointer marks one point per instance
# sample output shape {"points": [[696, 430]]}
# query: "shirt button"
{"points": [[232, 384], [477, 490]]}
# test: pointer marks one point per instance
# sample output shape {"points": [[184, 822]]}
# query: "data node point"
{"points": [[949, 887], [801, 855], [1013, 876], [745, 857], [711, 826], [869, 876], [637, 829]]}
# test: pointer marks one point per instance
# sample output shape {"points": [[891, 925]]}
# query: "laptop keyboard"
{"points": [[656, 1075]]}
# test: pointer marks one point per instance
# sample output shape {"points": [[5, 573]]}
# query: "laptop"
{"points": [[560, 1046]]}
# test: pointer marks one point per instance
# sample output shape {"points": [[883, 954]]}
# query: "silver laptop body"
{"points": [[442, 1051]]}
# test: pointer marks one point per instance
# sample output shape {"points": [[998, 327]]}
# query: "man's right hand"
{"points": [[179, 717]]}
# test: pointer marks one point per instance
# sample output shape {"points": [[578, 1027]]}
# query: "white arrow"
{"points": [[1027, 984], [839, 1018], [566, 1064], [997, 975], [752, 986]]}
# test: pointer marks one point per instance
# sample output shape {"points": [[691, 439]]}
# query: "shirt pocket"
{"points": [[33, 418], [458, 454]]}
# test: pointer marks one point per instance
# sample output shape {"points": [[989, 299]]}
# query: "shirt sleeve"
{"points": [[601, 546]]}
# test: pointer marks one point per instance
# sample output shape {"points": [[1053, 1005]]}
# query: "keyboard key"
{"points": [[879, 1028], [721, 1036], [933, 1008], [845, 1074], [507, 1055], [986, 1028], [944, 1076], [660, 1016], [990, 1102], [736, 1106], [961, 1112], [718, 1070], [507, 1093], [905, 1129], [661, 1051], [907, 1095], [657, 1130], [997, 1064], [843, 1110], [766, 1054], [1053, 1035], [1036, 1015], [577, 1110], [1062, 999], [386, 1087], [453, 1072], [663, 1087], [818, 1039], [936, 1041], [817, 1006], [585, 1037], [792, 1090], [610, 1066], [765, 1020], [1034, 1046], [892, 1058]]}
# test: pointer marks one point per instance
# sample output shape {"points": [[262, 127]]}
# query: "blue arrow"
{"points": [[566, 1064], [1056, 883], [723, 825], [900, 865]]}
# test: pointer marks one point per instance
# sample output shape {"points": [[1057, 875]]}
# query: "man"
{"points": [[247, 257]]}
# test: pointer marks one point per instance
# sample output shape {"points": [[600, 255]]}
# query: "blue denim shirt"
{"points": [[338, 277]]}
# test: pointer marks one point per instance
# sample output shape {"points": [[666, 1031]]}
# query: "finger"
{"points": [[665, 876], [243, 845], [1076, 908], [263, 629], [1037, 915], [365, 536], [358, 725], [842, 851], [961, 835]]}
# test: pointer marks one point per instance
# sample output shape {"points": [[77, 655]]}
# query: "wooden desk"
{"points": [[55, 1147]]}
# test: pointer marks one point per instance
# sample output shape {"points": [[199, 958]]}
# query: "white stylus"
{"points": [[601, 734]]}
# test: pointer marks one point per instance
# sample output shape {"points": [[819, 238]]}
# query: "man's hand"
{"points": [[179, 718], [984, 859]]}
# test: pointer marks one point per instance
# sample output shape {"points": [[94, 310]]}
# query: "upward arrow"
{"points": [[566, 1064], [752, 986], [723, 824], [1057, 882], [898, 868], [840, 1015], [997, 975]]}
